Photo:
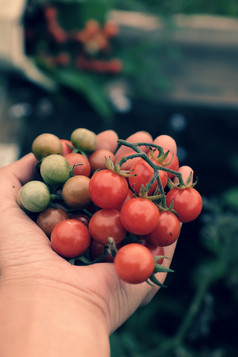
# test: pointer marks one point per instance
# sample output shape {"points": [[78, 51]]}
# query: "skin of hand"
{"points": [[48, 306]]}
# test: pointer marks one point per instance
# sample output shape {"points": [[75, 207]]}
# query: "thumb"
{"points": [[13, 176]]}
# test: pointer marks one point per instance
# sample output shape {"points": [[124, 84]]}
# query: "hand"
{"points": [[48, 306]]}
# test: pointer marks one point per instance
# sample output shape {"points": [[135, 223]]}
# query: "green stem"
{"points": [[142, 154]]}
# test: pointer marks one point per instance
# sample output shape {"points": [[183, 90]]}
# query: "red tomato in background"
{"points": [[67, 146], [107, 140], [70, 238], [187, 203], [106, 223], [83, 166], [107, 189], [166, 142], [97, 159], [139, 216], [166, 231], [134, 263], [139, 136]]}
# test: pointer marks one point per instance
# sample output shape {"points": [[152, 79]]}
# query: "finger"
{"points": [[13, 176]]}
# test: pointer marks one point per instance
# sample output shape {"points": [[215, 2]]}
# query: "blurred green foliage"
{"points": [[164, 7]]}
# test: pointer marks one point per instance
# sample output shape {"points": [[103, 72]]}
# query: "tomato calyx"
{"points": [[116, 168], [168, 209], [161, 158], [144, 190], [152, 281], [181, 185]]}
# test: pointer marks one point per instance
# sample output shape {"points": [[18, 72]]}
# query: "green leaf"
{"points": [[90, 87], [230, 198]]}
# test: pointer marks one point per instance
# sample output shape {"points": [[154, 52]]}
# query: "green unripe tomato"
{"points": [[46, 144], [55, 169], [34, 196], [84, 139]]}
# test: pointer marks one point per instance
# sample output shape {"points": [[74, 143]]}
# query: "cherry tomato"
{"points": [[55, 169], [106, 223], [48, 219], [134, 263], [75, 192], [139, 136], [139, 216], [34, 196], [97, 159], [143, 174], [83, 166], [46, 144], [84, 139], [107, 140], [167, 230], [186, 172], [70, 238], [107, 189], [67, 146], [166, 142], [187, 203]]}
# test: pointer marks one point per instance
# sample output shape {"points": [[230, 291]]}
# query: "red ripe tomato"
{"points": [[143, 174], [107, 189], [134, 263], [67, 146], [83, 166], [187, 203], [166, 232], [106, 223], [139, 216], [70, 238]]}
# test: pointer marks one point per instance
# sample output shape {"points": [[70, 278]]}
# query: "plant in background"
{"points": [[73, 42], [78, 47]]}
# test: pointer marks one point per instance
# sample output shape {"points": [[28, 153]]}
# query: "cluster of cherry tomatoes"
{"points": [[101, 199]]}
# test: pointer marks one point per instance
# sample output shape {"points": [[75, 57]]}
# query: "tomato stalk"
{"points": [[155, 167], [142, 154]]}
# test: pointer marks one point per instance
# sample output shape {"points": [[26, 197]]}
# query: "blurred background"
{"points": [[167, 67]]}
